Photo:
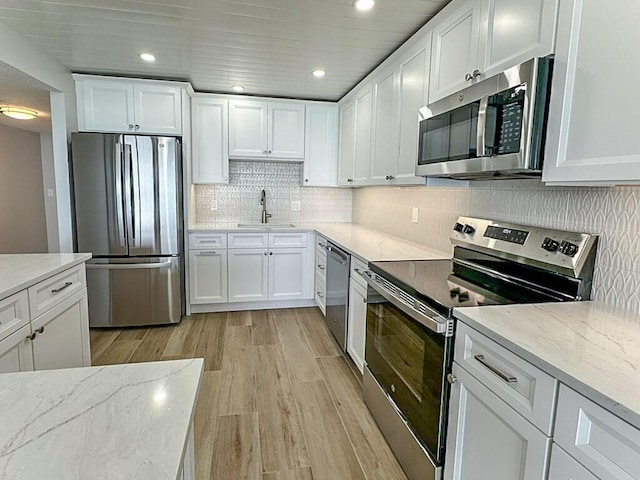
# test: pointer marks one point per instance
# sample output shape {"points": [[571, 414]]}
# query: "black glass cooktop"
{"points": [[445, 285]]}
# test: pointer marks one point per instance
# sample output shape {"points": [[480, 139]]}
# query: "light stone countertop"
{"points": [[20, 271], [590, 346], [365, 243], [122, 421]]}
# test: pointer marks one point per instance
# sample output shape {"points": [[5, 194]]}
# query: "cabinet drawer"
{"points": [[50, 292], [563, 467], [14, 313], [207, 240], [526, 388], [16, 353], [247, 240], [321, 293], [603, 443], [357, 268], [293, 239], [321, 242], [321, 266]]}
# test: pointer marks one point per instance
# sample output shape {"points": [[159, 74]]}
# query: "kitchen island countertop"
{"points": [[121, 421]]}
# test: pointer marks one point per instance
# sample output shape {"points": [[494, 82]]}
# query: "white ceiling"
{"points": [[20, 90], [270, 46]]}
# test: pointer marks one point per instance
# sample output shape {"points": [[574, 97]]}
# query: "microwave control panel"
{"points": [[507, 107]]}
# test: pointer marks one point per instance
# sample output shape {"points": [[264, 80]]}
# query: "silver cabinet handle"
{"points": [[503, 376], [306, 180], [31, 337], [389, 177], [40, 330], [323, 245], [451, 379], [58, 290], [131, 126], [137, 127], [269, 152], [476, 73], [349, 180], [468, 77], [264, 152], [320, 294], [266, 253], [364, 300], [208, 241], [321, 267], [207, 253]]}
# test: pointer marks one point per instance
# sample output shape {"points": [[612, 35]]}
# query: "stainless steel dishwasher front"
{"points": [[338, 270]]}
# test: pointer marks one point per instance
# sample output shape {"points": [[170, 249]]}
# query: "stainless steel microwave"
{"points": [[495, 128]]}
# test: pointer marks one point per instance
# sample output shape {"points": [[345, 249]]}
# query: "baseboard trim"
{"points": [[236, 307]]}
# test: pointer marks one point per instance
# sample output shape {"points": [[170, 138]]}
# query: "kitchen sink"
{"points": [[266, 225]]}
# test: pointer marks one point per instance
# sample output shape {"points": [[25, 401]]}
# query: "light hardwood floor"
{"points": [[277, 402]]}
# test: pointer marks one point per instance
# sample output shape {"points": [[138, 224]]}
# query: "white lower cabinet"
{"points": [[563, 467], [488, 439], [288, 274], [357, 325], [15, 352], [248, 275], [208, 276], [62, 335]]}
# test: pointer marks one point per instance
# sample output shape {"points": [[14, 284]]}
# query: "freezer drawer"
{"points": [[134, 292]]}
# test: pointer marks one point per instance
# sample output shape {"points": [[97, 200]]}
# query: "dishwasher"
{"points": [[338, 264]]}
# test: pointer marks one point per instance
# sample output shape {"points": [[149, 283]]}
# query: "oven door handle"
{"points": [[437, 324]]}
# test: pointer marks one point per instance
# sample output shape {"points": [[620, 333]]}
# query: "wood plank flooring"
{"points": [[277, 401]]}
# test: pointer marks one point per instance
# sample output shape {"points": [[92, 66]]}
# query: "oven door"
{"points": [[410, 362]]}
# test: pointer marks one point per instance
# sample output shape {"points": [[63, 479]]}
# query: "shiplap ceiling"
{"points": [[20, 90], [269, 46]]}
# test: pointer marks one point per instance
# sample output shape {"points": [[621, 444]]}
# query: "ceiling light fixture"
{"points": [[237, 88], [19, 113], [364, 4], [319, 73], [148, 57]]}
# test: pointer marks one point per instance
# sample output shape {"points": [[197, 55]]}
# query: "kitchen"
{"points": [[392, 215]]}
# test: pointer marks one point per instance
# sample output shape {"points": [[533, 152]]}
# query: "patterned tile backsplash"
{"points": [[240, 200], [613, 213]]}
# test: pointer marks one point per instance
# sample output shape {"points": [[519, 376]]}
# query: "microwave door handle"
{"points": [[482, 128]]}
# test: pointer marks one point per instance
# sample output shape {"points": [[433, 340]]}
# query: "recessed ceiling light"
{"points": [[148, 57], [237, 88], [364, 4], [319, 73], [19, 113]]}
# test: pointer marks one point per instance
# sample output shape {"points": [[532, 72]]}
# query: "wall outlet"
{"points": [[50, 192], [414, 215], [214, 205], [295, 206]]}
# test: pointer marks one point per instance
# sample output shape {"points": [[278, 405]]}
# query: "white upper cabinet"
{"points": [[210, 131], [248, 128], [384, 132], [362, 157], [347, 143], [413, 79], [121, 105], [321, 146], [514, 31], [455, 50], [260, 129], [592, 134]]}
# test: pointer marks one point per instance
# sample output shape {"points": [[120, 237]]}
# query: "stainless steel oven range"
{"points": [[410, 323]]}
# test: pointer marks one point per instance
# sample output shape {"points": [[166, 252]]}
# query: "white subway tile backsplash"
{"points": [[613, 213], [240, 200]]}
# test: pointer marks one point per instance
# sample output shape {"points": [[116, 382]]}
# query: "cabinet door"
{"points": [[210, 139], [286, 130], [347, 143], [384, 127], [15, 352], [413, 81], [158, 109], [488, 439], [516, 31], [362, 162], [321, 146], [62, 335], [105, 106], [208, 276], [357, 324], [248, 129], [454, 50], [288, 272], [589, 138], [248, 275], [563, 467]]}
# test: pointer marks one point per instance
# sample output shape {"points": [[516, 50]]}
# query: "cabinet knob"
{"points": [[40, 330], [31, 337], [270, 253], [137, 127], [264, 152], [225, 178], [306, 180], [476, 73], [451, 379], [468, 77], [266, 253], [269, 152], [131, 126], [349, 180]]}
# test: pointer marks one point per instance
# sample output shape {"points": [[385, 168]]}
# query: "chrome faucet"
{"points": [[263, 202]]}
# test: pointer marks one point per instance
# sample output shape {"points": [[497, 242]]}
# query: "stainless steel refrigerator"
{"points": [[127, 202]]}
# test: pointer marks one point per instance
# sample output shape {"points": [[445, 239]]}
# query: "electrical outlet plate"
{"points": [[295, 206], [214, 205], [414, 215]]}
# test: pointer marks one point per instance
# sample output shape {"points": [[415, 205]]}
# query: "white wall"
{"points": [[21, 54]]}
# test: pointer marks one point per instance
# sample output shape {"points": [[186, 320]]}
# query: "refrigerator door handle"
{"points": [[121, 223], [132, 190], [128, 266]]}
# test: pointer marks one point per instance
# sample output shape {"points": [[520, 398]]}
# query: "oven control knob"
{"points": [[550, 245], [568, 248], [468, 229], [454, 292], [458, 227], [463, 297], [393, 388]]}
